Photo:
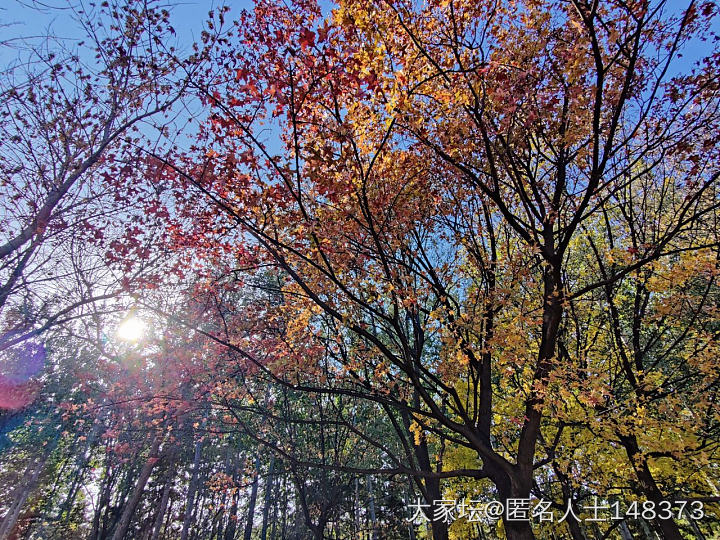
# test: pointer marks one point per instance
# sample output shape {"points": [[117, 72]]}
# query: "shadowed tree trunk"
{"points": [[157, 527], [29, 481], [126, 518], [253, 500], [192, 489], [269, 485], [648, 487]]}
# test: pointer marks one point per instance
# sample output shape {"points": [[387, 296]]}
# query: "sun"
{"points": [[131, 329]]}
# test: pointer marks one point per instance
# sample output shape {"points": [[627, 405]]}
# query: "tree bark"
{"points": [[124, 523], [269, 485], [253, 500], [192, 488], [33, 471], [157, 527], [648, 487]]}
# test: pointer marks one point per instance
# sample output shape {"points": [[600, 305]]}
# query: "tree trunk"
{"points": [[124, 524], [8, 524], [283, 520], [192, 488], [371, 507], [411, 525], [649, 488], [103, 501], [269, 484], [356, 509], [516, 530], [625, 531], [298, 529], [157, 527], [232, 519], [32, 474], [253, 500], [696, 529], [112, 514], [431, 489], [573, 525], [81, 462], [517, 483], [439, 528]]}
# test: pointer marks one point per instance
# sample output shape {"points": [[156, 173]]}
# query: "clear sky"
{"points": [[28, 18], [23, 20]]}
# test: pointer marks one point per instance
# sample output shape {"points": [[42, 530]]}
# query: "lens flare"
{"points": [[19, 368]]}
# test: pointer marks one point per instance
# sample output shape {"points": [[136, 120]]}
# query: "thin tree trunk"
{"points": [[192, 488], [157, 527], [625, 531], [299, 509], [221, 516], [696, 528], [232, 519], [274, 520], [411, 525], [112, 514], [124, 524], [371, 506], [573, 525], [81, 461], [356, 509], [8, 524], [430, 488], [103, 501], [202, 509], [253, 499], [646, 529], [269, 484]]}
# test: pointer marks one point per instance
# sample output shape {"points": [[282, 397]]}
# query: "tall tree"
{"points": [[398, 125]]}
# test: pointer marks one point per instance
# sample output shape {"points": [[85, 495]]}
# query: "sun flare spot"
{"points": [[131, 329]]}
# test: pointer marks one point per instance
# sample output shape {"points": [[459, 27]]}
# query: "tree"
{"points": [[419, 251], [419, 205], [68, 113]]}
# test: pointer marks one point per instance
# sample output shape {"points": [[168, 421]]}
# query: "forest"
{"points": [[360, 269]]}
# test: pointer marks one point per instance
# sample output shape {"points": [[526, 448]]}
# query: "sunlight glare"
{"points": [[131, 329]]}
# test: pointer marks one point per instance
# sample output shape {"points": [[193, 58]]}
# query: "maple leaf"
{"points": [[307, 38]]}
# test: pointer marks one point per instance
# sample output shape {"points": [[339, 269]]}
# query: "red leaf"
{"points": [[307, 38]]}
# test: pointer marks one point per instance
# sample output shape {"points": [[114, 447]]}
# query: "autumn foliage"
{"points": [[453, 249]]}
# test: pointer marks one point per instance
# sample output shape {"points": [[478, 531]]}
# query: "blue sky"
{"points": [[20, 20]]}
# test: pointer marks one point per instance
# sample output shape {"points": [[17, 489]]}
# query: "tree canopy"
{"points": [[364, 270]]}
